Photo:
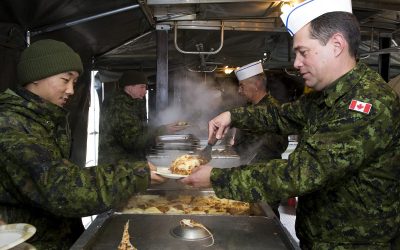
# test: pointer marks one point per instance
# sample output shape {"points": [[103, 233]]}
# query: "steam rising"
{"points": [[197, 100]]}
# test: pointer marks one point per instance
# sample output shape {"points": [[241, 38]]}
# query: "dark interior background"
{"points": [[113, 35]]}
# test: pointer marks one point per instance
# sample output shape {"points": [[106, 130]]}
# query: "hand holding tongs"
{"points": [[205, 153]]}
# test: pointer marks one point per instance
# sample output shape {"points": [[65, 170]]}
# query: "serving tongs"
{"points": [[205, 153]]}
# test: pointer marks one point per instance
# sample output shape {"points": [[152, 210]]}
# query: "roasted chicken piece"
{"points": [[185, 164]]}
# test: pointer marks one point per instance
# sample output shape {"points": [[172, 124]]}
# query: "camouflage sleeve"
{"points": [[41, 178], [286, 119], [322, 158], [273, 145], [129, 129]]}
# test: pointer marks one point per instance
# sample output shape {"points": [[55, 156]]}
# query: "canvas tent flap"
{"points": [[395, 84]]}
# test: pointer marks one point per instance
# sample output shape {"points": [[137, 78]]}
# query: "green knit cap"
{"points": [[132, 77], [46, 58]]}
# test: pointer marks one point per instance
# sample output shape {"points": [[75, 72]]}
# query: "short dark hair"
{"points": [[263, 78], [325, 26]]}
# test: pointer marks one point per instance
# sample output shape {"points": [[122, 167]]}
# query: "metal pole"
{"points": [[83, 20], [384, 59], [162, 70], [28, 38]]}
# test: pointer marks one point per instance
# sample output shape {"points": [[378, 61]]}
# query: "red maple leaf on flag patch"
{"points": [[363, 107]]}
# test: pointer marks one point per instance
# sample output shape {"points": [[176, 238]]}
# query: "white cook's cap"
{"points": [[249, 70], [301, 14]]}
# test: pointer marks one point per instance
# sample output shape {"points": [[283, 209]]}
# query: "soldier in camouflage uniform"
{"points": [[252, 147], [255, 147], [39, 185], [345, 169], [124, 131]]}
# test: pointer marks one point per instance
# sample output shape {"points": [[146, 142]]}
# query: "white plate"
{"points": [[14, 234], [165, 172]]}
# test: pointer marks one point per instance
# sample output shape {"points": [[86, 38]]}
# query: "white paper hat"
{"points": [[249, 70], [301, 14]]}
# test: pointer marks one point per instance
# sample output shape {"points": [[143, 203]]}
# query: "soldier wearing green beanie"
{"points": [[40, 185], [46, 58], [132, 77]]}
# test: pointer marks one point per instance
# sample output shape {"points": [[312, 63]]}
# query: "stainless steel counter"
{"points": [[154, 232], [260, 229], [256, 230], [172, 146]]}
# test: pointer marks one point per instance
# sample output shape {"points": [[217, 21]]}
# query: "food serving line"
{"points": [[156, 217]]}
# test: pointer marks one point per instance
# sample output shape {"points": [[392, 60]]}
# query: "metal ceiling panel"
{"points": [[126, 39], [170, 2]]}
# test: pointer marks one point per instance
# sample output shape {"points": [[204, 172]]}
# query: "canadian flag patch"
{"points": [[363, 107]]}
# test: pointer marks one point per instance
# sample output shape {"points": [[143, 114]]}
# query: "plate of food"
{"points": [[14, 234], [181, 125], [166, 172], [180, 167]]}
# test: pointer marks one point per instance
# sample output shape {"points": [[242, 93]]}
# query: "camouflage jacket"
{"points": [[124, 132], [40, 186], [258, 148], [345, 169]]}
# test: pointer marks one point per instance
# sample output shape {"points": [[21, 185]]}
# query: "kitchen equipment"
{"points": [[180, 138], [12, 235], [190, 233], [175, 146], [150, 232], [217, 160], [205, 154], [189, 201], [258, 229], [176, 142]]}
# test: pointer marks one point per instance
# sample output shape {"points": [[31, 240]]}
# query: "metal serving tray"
{"points": [[164, 158], [218, 145], [217, 162], [177, 138], [153, 232], [175, 146], [191, 201]]}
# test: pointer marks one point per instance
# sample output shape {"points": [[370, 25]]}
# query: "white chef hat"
{"points": [[299, 15], [249, 70]]}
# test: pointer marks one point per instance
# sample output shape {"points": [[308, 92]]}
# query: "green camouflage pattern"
{"points": [[40, 186], [345, 169], [124, 132], [254, 148]]}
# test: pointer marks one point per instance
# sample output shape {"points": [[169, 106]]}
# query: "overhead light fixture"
{"points": [[286, 7], [289, 4], [228, 70]]}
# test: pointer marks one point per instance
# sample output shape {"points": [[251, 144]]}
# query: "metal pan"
{"points": [[175, 138]]}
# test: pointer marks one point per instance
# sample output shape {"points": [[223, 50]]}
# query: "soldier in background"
{"points": [[124, 131], [39, 184], [345, 169], [250, 146]]}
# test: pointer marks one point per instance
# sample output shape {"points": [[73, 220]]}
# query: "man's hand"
{"points": [[219, 125], [155, 178], [200, 177]]}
